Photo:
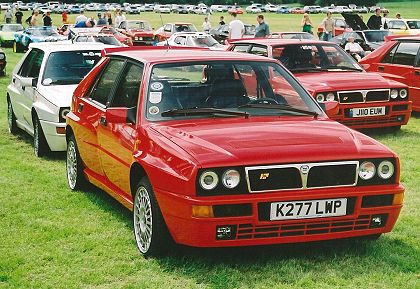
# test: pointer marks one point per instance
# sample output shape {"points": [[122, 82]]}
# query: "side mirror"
{"points": [[29, 81], [330, 107], [120, 115]]}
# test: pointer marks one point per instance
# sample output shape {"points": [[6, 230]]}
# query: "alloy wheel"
{"points": [[143, 219], [71, 163]]}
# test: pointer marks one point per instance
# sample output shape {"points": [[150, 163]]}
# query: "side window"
{"points": [[390, 54], [167, 28], [396, 24], [241, 48], [127, 92], [259, 50], [103, 87], [406, 53], [340, 23], [32, 64]]}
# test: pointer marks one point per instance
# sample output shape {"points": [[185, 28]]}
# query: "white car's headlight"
{"points": [[209, 180], [394, 93], [231, 178], [367, 170], [385, 170], [403, 93]]}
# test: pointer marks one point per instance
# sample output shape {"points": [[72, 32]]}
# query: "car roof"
{"points": [[49, 47], [160, 54], [407, 38], [280, 41], [403, 19]]}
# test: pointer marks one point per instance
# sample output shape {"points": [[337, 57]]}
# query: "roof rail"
{"points": [[107, 51]]}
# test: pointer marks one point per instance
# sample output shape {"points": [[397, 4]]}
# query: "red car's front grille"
{"points": [[248, 231], [376, 120]]}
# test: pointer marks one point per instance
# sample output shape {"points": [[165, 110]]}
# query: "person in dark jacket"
{"points": [[375, 21], [18, 16], [47, 19]]}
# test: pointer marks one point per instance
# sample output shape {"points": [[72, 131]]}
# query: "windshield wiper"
{"points": [[306, 69], [202, 111], [280, 107], [344, 68]]}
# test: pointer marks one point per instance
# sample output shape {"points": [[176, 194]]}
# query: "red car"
{"points": [[224, 149], [124, 39], [398, 59], [367, 100], [164, 32], [139, 30]]}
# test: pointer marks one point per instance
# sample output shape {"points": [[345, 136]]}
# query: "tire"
{"points": [[17, 47], [11, 118], [74, 166], [150, 231], [41, 147]]}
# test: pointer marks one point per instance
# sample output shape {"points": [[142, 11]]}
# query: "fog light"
{"points": [[400, 118], [227, 232], [378, 221], [398, 199], [202, 211]]}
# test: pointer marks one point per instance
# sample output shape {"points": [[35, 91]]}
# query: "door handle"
{"points": [[102, 120], [381, 68], [80, 107]]}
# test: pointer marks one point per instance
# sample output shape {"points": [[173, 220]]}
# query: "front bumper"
{"points": [[56, 141], [396, 114], [252, 230]]}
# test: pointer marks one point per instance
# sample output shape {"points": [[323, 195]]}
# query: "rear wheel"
{"points": [[75, 178], [11, 118], [150, 231], [40, 143]]}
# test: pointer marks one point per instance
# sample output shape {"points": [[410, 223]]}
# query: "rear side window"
{"points": [[241, 48], [406, 53], [104, 86]]}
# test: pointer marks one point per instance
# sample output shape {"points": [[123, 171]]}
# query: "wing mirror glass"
{"points": [[29, 81]]}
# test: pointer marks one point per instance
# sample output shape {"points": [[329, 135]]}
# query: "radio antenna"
{"points": [[167, 42]]}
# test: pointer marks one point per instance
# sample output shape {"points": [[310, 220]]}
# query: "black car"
{"points": [[3, 62], [221, 33]]}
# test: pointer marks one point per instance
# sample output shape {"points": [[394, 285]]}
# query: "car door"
{"points": [[25, 95], [90, 109], [401, 63], [116, 140]]}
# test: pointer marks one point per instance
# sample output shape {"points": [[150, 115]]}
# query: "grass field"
{"points": [[51, 237]]}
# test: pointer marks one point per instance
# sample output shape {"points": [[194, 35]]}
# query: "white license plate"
{"points": [[308, 209], [367, 111]]}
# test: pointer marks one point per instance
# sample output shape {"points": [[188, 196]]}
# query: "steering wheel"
{"points": [[264, 100]]}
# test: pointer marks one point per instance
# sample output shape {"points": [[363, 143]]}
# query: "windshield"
{"points": [[12, 28], [225, 89], [185, 28], [107, 40], [69, 67], [249, 29], [43, 32], [376, 36], [313, 57], [139, 25], [295, 36], [204, 41], [413, 24]]}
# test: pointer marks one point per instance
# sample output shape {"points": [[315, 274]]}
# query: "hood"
{"points": [[336, 81], [140, 32], [60, 95], [354, 21], [264, 140]]}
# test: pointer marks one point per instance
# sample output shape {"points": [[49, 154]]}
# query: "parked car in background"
{"points": [[398, 59], [238, 10], [34, 35], [369, 40], [312, 9], [253, 9], [366, 100], [168, 29], [404, 26], [39, 94], [192, 39], [210, 150], [108, 39], [221, 32], [3, 62], [162, 9], [139, 30], [283, 10], [7, 33], [297, 10], [340, 26], [291, 35], [124, 39]]}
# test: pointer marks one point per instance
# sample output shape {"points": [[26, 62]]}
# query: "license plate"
{"points": [[367, 111], [308, 209]]}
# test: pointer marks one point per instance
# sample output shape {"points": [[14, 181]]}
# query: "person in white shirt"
{"points": [[81, 17], [206, 25], [120, 18], [236, 28], [354, 48]]}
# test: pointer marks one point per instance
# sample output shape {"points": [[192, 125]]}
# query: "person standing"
{"points": [[47, 19], [120, 18], [236, 28], [375, 21], [327, 27], [109, 19], [18, 16], [81, 17], [34, 18], [384, 21], [206, 25], [8, 16], [101, 20], [398, 16], [64, 17], [307, 24], [222, 21], [262, 30]]}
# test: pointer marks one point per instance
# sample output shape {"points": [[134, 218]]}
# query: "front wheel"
{"points": [[75, 178], [41, 147], [150, 231], [11, 118]]}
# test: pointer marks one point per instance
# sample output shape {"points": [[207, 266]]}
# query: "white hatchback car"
{"points": [[39, 95]]}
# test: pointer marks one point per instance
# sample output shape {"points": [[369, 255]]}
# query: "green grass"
{"points": [[51, 237]]}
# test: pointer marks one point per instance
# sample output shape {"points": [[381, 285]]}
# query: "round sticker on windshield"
{"points": [[156, 86], [47, 81], [153, 110]]}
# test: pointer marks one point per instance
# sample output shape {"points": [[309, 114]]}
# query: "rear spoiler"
{"points": [[107, 51]]}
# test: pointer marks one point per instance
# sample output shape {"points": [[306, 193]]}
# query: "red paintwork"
{"points": [[409, 75], [325, 81], [171, 152], [120, 37]]}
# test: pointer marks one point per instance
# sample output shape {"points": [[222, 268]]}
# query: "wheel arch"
{"points": [[137, 172], [69, 132]]}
